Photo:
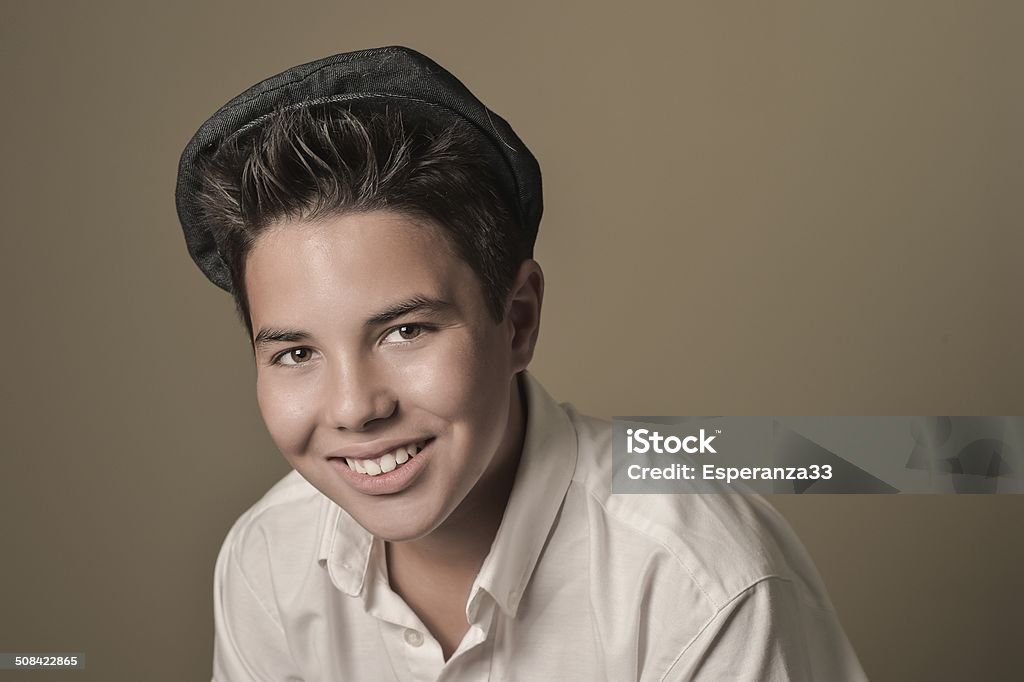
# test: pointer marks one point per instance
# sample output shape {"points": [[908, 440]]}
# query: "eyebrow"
{"points": [[269, 335]]}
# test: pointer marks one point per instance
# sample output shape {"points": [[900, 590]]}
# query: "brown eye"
{"points": [[295, 356], [406, 332]]}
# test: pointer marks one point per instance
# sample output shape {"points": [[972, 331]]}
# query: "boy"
{"points": [[446, 519]]}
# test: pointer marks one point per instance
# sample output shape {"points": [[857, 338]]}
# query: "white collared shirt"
{"points": [[579, 584]]}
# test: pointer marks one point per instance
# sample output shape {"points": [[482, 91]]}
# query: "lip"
{"points": [[393, 481], [375, 449]]}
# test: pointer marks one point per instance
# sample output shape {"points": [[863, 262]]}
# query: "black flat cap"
{"points": [[396, 76]]}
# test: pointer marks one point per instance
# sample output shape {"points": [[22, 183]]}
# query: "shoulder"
{"points": [[721, 545], [272, 543]]}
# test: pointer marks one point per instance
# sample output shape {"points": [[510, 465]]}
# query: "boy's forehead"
{"points": [[384, 229], [370, 242], [355, 262]]}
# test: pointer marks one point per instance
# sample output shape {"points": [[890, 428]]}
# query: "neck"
{"points": [[464, 539]]}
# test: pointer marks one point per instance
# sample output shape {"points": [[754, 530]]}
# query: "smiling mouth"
{"points": [[387, 462]]}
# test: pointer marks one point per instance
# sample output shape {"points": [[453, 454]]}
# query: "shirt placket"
{"points": [[415, 655], [413, 652], [472, 660], [412, 647]]}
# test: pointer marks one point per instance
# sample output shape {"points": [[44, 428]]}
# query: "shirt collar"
{"points": [[344, 548], [542, 479], [545, 470]]}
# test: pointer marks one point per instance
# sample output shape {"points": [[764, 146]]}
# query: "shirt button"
{"points": [[413, 638]]}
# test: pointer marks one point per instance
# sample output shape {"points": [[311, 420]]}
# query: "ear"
{"points": [[523, 312]]}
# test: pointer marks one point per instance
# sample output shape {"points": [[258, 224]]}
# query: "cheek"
{"points": [[287, 412], [460, 379], [468, 387]]}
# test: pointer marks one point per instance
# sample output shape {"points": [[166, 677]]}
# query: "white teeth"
{"points": [[386, 462]]}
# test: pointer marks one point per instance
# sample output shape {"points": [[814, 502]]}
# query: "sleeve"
{"points": [[767, 633], [249, 641]]}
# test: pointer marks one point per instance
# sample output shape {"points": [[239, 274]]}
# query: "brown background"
{"points": [[752, 208]]}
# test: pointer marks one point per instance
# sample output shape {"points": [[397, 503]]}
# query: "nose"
{"points": [[356, 396]]}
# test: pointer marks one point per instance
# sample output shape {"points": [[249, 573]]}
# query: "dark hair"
{"points": [[314, 162]]}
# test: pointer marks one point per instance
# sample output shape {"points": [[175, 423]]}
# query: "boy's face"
{"points": [[358, 376]]}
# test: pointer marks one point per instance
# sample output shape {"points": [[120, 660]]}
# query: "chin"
{"points": [[395, 520], [395, 531]]}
